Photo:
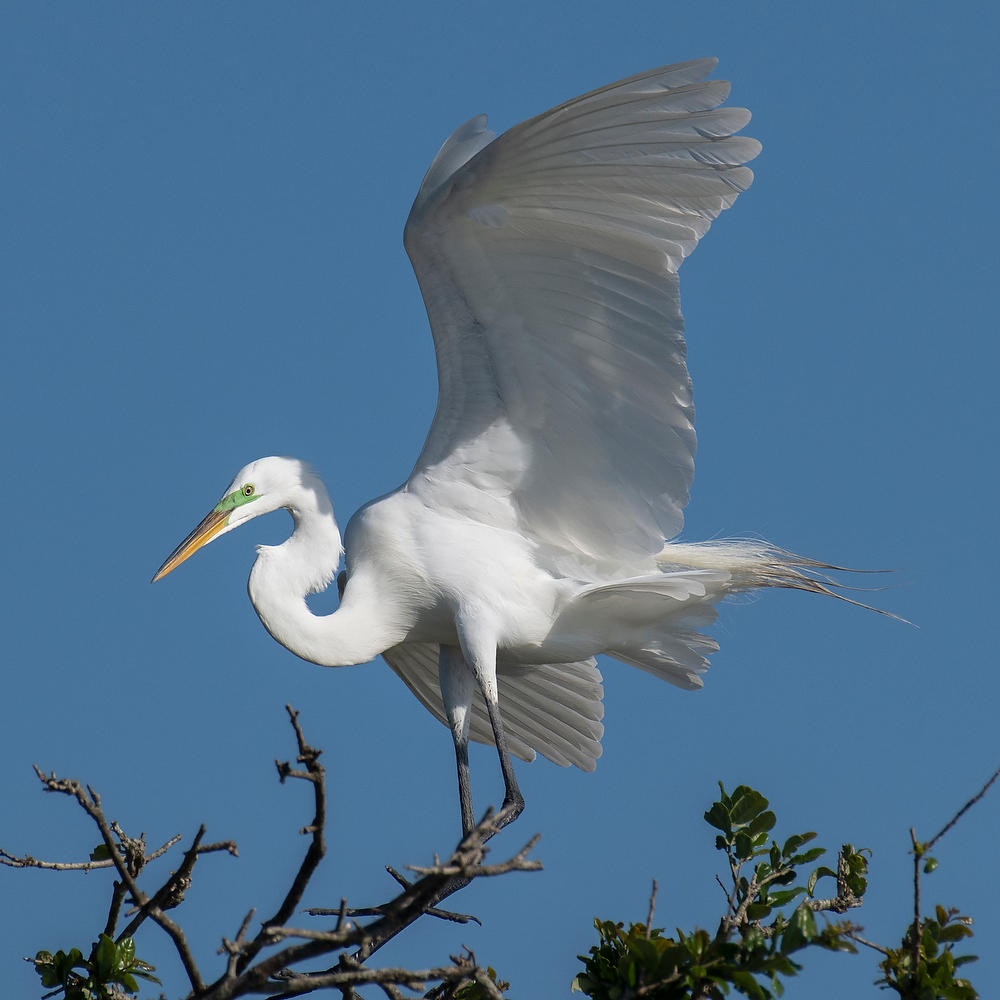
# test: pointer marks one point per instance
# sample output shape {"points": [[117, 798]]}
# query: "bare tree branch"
{"points": [[27, 861], [315, 774], [652, 910], [465, 869], [279, 973], [961, 812], [868, 944]]}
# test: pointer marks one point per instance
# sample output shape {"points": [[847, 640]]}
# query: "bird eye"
{"points": [[248, 490]]}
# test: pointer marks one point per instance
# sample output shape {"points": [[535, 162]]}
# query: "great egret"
{"points": [[532, 533]]}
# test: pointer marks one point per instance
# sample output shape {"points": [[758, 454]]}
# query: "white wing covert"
{"points": [[548, 259]]}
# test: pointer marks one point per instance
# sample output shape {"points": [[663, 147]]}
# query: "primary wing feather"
{"points": [[548, 263]]}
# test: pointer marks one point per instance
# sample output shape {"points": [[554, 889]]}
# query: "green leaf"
{"points": [[857, 884], [762, 823], [784, 896], [100, 853], [747, 804], [106, 958], [632, 974], [126, 953], [819, 873], [743, 846], [801, 929], [954, 932], [747, 985], [718, 816], [45, 967], [758, 911], [811, 855], [795, 842], [67, 962]]}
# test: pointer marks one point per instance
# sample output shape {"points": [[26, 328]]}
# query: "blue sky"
{"points": [[203, 206]]}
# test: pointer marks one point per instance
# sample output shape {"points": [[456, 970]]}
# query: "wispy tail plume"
{"points": [[753, 564]]}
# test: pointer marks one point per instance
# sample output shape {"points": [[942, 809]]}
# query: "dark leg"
{"points": [[513, 801], [480, 653], [457, 684], [464, 786]]}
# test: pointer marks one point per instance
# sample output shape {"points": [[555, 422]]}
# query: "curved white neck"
{"points": [[306, 563]]}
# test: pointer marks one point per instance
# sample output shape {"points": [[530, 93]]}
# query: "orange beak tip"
{"points": [[208, 529]]}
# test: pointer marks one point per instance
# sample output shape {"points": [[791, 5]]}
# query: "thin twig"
{"points": [[160, 851], [917, 853], [464, 869], [382, 909], [920, 853], [725, 892], [315, 774], [235, 948], [229, 846], [961, 812], [868, 944], [27, 861], [346, 936], [118, 892], [652, 910], [399, 877]]}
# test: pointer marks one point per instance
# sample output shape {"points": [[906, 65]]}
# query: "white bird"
{"points": [[532, 533]]}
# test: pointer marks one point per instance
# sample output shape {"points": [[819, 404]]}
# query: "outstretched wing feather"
{"points": [[548, 264]]}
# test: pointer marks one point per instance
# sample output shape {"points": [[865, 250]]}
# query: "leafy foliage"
{"points": [[111, 971], [745, 953], [923, 967]]}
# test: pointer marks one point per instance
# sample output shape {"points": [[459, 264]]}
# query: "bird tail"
{"points": [[753, 564]]}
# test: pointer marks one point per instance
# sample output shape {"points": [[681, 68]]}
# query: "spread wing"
{"points": [[548, 260]]}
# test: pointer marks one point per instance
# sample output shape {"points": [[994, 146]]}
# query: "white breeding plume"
{"points": [[532, 533]]}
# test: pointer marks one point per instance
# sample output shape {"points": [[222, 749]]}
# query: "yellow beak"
{"points": [[213, 523]]}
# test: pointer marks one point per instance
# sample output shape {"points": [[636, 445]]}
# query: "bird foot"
{"points": [[513, 806]]}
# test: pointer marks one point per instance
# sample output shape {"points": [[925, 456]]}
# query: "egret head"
{"points": [[258, 488]]}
